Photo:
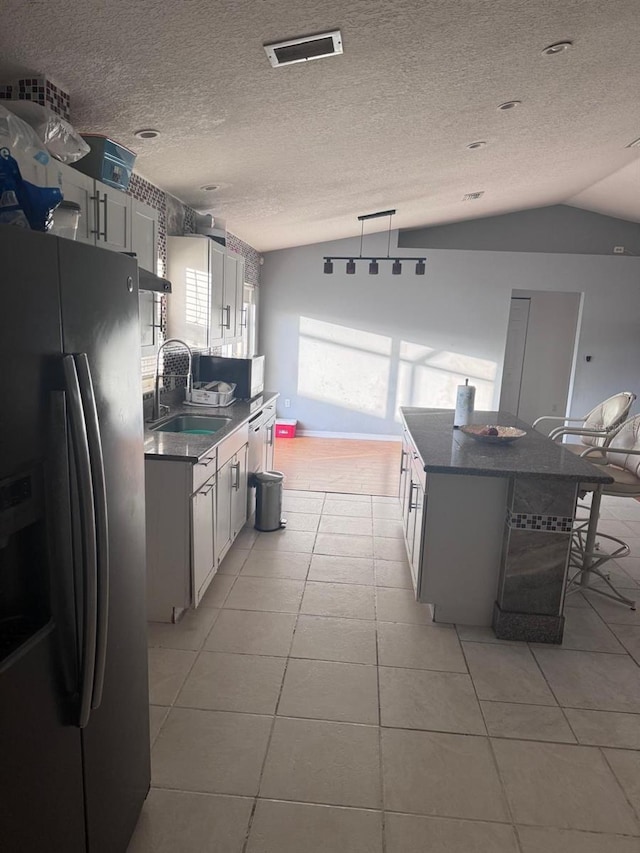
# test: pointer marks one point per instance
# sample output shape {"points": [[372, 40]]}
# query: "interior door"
{"points": [[99, 301], [514, 355]]}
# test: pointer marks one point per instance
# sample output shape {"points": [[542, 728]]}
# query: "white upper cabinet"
{"points": [[188, 307], [80, 189], [218, 321], [144, 235], [205, 306], [114, 218]]}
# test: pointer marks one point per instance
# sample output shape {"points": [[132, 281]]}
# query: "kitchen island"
{"points": [[488, 526]]}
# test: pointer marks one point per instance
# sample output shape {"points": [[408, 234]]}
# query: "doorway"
{"points": [[540, 353]]}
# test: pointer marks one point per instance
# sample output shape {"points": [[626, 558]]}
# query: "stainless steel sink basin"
{"points": [[192, 424]]}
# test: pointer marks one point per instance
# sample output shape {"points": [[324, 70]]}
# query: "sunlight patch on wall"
{"points": [[343, 366], [429, 377]]}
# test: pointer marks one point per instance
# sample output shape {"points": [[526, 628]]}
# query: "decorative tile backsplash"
{"points": [[546, 523], [41, 91]]}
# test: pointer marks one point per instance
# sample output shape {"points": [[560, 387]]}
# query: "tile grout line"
{"points": [[635, 812], [380, 761], [272, 728], [503, 788]]}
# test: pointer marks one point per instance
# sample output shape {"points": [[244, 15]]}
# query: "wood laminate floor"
{"points": [[339, 465]]}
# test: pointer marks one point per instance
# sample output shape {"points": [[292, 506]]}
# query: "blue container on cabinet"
{"points": [[108, 161]]}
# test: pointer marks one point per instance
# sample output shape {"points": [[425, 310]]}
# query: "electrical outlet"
{"points": [[618, 250], [287, 403]]}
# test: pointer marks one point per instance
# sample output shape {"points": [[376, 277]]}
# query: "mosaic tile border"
{"points": [[544, 523]]}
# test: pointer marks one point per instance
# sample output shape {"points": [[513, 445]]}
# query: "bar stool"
{"points": [[596, 428], [621, 459]]}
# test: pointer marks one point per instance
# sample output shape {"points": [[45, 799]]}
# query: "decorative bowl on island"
{"points": [[493, 434]]}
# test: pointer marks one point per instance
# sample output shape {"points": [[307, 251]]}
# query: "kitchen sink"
{"points": [[192, 424]]}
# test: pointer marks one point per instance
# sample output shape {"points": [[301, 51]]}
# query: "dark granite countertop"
{"points": [[178, 447], [446, 450]]}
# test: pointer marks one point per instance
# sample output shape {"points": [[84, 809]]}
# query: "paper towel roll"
{"points": [[465, 399]]}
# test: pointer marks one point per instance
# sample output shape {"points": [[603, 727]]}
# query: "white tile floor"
{"points": [[310, 705]]}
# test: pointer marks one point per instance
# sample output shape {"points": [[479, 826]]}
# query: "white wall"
{"points": [[347, 350]]}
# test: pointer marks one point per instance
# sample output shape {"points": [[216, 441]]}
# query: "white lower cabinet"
{"points": [[203, 516], [231, 510], [413, 483], [193, 514]]}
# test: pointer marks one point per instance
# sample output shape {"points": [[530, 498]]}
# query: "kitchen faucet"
{"points": [[155, 414]]}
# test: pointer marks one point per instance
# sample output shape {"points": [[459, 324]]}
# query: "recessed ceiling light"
{"points": [[473, 196], [209, 188], [558, 47], [509, 105], [147, 133], [473, 145]]}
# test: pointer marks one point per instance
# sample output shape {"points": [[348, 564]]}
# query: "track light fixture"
{"points": [[374, 268]]}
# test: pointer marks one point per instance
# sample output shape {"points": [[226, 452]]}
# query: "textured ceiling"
{"points": [[300, 151]]}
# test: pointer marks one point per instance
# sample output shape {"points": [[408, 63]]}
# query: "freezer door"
{"points": [[99, 302], [41, 806]]}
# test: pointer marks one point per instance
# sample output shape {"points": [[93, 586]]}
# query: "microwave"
{"points": [[246, 373]]}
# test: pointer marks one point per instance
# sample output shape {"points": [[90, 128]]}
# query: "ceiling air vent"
{"points": [[304, 49], [472, 196]]}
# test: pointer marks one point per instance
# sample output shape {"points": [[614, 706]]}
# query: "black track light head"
{"points": [[396, 269], [351, 266], [373, 267], [328, 266], [420, 267]]}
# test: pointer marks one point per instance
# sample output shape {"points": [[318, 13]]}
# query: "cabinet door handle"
{"points": [[98, 201], [228, 323], [412, 505], [105, 201], [402, 468], [243, 317], [236, 468]]}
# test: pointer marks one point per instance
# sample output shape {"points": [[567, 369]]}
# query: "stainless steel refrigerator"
{"points": [[74, 730]]}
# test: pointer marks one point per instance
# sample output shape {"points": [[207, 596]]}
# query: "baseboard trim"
{"points": [[363, 436]]}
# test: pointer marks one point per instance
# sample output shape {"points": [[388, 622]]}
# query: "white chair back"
{"points": [[627, 438], [608, 415]]}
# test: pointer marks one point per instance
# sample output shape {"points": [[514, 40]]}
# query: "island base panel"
{"points": [[527, 627], [462, 547]]}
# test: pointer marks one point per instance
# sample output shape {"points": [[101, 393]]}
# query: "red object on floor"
{"points": [[286, 429]]}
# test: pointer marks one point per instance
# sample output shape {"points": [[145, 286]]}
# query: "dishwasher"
{"points": [[261, 446]]}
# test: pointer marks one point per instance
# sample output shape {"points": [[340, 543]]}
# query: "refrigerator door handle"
{"points": [[102, 521], [80, 444]]}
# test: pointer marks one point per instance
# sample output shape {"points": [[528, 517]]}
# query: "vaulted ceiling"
{"points": [[299, 151]]}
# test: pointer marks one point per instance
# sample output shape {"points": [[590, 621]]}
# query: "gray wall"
{"points": [[560, 228], [347, 350]]}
